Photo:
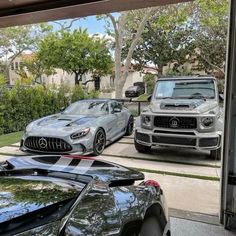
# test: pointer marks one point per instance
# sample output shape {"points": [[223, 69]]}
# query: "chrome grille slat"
{"points": [[53, 144]]}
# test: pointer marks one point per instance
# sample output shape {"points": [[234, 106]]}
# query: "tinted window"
{"points": [[185, 89]]}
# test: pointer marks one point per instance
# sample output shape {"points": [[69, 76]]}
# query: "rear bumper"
{"points": [[202, 141]]}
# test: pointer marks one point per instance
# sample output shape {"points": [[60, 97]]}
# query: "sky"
{"points": [[91, 23]]}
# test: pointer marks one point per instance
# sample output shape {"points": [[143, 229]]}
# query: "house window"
{"points": [[12, 66], [97, 83], [21, 65]]}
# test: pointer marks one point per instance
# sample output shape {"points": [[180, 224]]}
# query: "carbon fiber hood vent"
{"points": [[184, 104]]}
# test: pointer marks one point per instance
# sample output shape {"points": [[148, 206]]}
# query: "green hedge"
{"points": [[21, 105]]}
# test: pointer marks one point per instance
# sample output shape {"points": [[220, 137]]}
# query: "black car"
{"points": [[134, 91], [74, 195]]}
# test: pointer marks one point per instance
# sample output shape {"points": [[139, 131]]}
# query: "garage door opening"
{"points": [[193, 169]]}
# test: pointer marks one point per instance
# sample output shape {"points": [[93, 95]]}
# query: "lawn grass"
{"points": [[7, 139], [143, 97]]}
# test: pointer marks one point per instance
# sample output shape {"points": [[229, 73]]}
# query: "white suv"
{"points": [[184, 112]]}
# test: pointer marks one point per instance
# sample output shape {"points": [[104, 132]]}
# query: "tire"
{"points": [[130, 126], [141, 148], [99, 142], [215, 154], [150, 227]]}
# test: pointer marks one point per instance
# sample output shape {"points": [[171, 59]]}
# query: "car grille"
{"points": [[174, 140], [183, 122], [47, 144]]}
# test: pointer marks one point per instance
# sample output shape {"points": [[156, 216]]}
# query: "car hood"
{"points": [[185, 106], [103, 170], [59, 124], [21, 195]]}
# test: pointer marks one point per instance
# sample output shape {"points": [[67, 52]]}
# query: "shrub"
{"points": [[150, 81], [21, 105]]}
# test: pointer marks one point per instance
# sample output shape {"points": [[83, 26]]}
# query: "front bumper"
{"points": [[194, 139], [81, 146]]}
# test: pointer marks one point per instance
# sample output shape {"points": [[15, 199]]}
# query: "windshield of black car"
{"points": [[20, 195], [41, 198], [185, 89], [96, 108]]}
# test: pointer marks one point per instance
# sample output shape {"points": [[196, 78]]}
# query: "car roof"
{"points": [[76, 164], [187, 78]]}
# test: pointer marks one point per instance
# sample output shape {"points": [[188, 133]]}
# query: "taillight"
{"points": [[152, 183]]}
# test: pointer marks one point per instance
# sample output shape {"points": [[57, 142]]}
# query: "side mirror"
{"points": [[221, 97], [149, 98], [116, 110], [62, 109]]}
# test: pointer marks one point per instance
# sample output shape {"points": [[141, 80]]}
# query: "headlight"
{"points": [[207, 121], [147, 121], [80, 133]]}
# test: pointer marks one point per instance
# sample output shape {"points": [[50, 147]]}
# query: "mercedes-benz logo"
{"points": [[43, 143], [174, 123]]}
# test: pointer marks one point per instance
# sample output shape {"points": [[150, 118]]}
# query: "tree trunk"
{"points": [[78, 78], [160, 71], [120, 77]]}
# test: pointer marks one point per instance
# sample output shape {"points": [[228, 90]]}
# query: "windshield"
{"points": [[185, 89], [20, 195], [96, 108]]}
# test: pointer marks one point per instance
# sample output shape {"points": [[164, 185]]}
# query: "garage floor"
{"points": [[189, 179], [183, 227]]}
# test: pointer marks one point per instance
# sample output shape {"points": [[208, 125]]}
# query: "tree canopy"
{"points": [[16, 40], [75, 52], [178, 33]]}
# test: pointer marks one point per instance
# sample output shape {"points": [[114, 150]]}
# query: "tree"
{"points": [[177, 33], [150, 81], [15, 40], [211, 24], [75, 52], [119, 30], [128, 32], [161, 46], [32, 68]]}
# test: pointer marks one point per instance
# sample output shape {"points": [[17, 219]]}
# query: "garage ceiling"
{"points": [[20, 12]]}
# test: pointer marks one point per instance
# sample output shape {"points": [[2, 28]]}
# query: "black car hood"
{"points": [[21, 195], [105, 171]]}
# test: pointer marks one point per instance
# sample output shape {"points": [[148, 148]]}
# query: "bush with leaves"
{"points": [[21, 105], [150, 81]]}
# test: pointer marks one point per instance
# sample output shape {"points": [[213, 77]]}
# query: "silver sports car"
{"points": [[86, 126]]}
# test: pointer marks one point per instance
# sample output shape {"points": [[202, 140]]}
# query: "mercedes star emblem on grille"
{"points": [[174, 123], [43, 143]]}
